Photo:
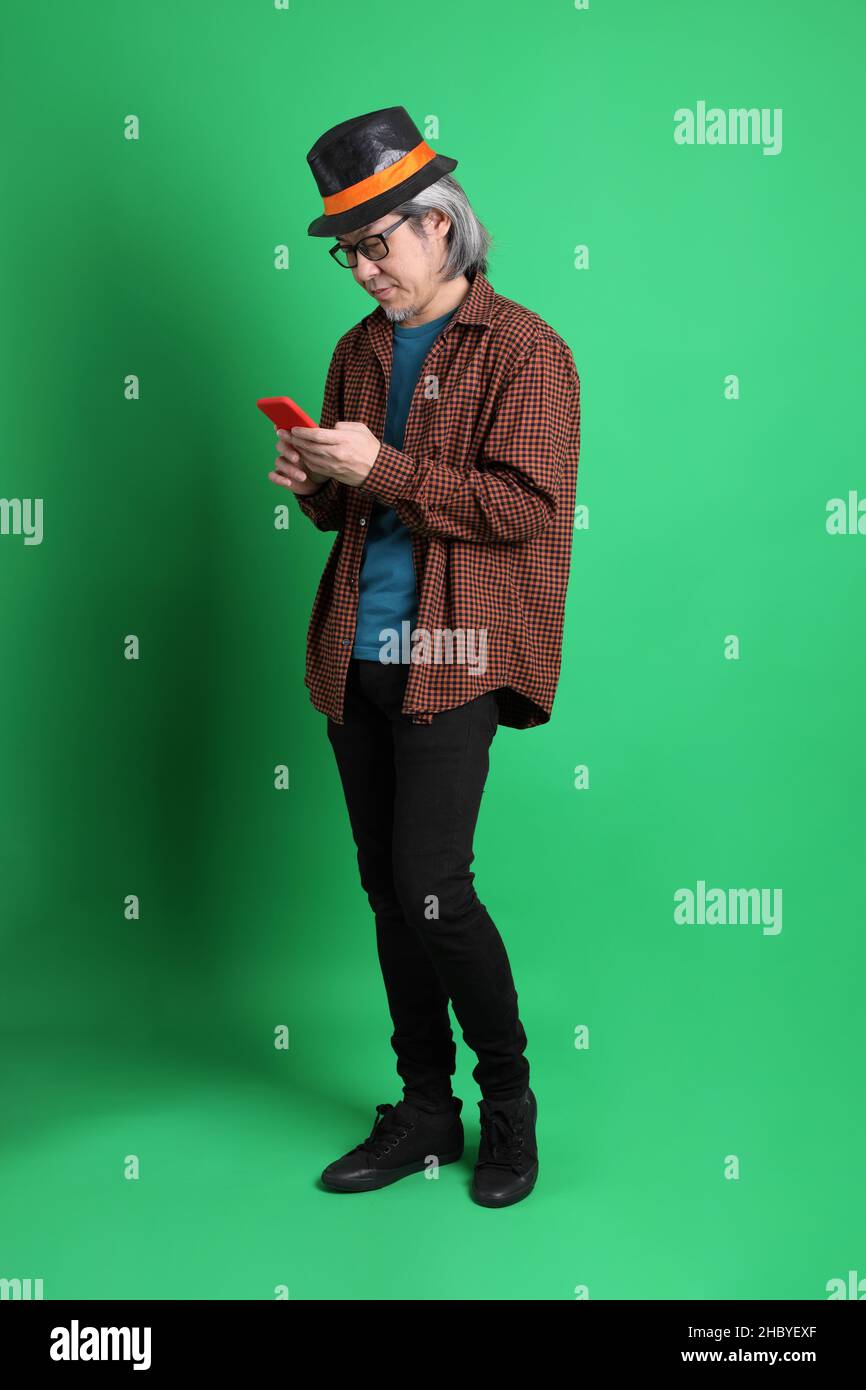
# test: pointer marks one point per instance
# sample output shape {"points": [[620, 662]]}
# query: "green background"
{"points": [[156, 776]]}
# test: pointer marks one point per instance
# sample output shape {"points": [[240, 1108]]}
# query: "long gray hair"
{"points": [[467, 240]]}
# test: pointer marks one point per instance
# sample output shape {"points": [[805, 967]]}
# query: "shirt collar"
{"points": [[476, 308]]}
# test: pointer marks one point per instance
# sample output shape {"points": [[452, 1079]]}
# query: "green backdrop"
{"points": [[709, 1141]]}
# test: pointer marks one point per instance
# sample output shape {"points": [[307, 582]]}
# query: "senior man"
{"points": [[446, 460]]}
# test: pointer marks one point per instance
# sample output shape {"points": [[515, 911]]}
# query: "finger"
{"points": [[287, 444], [282, 481], [285, 448], [311, 434], [310, 449], [289, 470]]}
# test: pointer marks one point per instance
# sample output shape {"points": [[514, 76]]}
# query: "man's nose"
{"points": [[365, 270]]}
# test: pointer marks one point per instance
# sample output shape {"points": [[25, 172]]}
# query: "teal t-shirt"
{"points": [[387, 594]]}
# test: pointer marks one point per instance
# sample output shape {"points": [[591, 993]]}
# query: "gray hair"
{"points": [[467, 240]]}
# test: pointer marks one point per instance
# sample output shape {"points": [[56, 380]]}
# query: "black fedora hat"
{"points": [[368, 165]]}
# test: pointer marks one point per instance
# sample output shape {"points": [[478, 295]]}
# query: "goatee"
{"points": [[398, 315]]}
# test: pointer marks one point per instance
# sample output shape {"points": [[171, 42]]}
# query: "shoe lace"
{"points": [[502, 1138], [390, 1127]]}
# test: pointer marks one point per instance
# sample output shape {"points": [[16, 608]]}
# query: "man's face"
{"points": [[406, 274]]}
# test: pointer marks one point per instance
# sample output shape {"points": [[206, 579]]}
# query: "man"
{"points": [[446, 459]]}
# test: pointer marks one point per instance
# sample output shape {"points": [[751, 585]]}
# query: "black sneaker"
{"points": [[507, 1164], [402, 1141]]}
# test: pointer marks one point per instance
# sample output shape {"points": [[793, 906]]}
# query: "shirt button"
{"points": [[362, 522], [345, 641]]}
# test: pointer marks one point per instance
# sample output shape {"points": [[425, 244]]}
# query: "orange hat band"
{"points": [[371, 187]]}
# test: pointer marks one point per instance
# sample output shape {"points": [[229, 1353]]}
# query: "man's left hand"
{"points": [[347, 452]]}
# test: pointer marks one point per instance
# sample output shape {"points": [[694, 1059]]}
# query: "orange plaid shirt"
{"points": [[485, 483]]}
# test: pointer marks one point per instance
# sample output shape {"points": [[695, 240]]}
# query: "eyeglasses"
{"points": [[372, 248]]}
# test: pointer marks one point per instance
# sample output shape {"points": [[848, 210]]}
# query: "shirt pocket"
{"points": [[450, 419]]}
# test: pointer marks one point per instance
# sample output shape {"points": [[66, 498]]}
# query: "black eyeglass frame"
{"points": [[373, 236]]}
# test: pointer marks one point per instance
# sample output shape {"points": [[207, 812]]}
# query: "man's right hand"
{"points": [[291, 472]]}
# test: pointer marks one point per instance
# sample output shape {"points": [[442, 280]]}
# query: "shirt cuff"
{"points": [[391, 476], [313, 503]]}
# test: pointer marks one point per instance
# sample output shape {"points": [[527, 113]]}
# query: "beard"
{"points": [[398, 315]]}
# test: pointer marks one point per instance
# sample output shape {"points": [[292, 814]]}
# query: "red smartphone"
{"points": [[284, 413]]}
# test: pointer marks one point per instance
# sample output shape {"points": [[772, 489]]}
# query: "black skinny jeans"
{"points": [[413, 793]]}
